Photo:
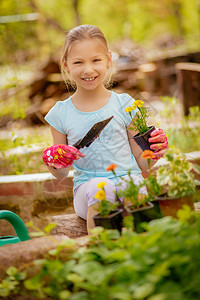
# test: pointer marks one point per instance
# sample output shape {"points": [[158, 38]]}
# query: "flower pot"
{"points": [[111, 221], [152, 213], [168, 206], [141, 215], [142, 139]]}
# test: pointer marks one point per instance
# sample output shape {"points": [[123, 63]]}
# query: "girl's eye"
{"points": [[96, 59], [77, 62]]}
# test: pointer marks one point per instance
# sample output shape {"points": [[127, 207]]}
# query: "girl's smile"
{"points": [[90, 79]]}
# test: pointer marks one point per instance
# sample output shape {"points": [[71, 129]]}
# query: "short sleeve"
{"points": [[55, 117], [127, 101]]}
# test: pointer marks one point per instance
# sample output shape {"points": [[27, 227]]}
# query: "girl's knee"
{"points": [[92, 189], [85, 196]]}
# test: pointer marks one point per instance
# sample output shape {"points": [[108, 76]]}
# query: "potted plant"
{"points": [[139, 124], [135, 203], [177, 183], [153, 189], [110, 214]]}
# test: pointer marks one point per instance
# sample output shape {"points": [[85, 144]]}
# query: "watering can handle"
{"points": [[17, 223]]}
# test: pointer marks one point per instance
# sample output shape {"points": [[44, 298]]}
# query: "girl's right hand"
{"points": [[60, 156]]}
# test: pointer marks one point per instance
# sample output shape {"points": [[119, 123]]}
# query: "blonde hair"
{"points": [[80, 33]]}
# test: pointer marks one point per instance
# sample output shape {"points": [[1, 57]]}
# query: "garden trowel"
{"points": [[92, 134]]}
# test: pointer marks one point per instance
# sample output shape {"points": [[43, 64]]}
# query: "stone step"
{"points": [[69, 225]]}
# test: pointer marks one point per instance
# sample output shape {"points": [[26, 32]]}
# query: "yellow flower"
{"points": [[134, 106], [100, 195], [100, 185], [128, 109], [138, 103]]}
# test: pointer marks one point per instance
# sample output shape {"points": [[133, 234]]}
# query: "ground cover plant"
{"points": [[186, 139], [22, 164], [27, 161], [185, 134], [162, 264]]}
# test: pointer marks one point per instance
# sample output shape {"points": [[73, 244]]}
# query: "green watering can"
{"points": [[19, 226]]}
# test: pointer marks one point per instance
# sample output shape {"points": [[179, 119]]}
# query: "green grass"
{"points": [[22, 164], [186, 140], [25, 163], [35, 136]]}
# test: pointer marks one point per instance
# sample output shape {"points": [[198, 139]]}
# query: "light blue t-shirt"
{"points": [[112, 145]]}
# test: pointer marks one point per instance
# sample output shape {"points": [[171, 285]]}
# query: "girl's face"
{"points": [[87, 63]]}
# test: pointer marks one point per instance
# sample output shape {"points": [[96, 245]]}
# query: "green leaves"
{"points": [[177, 177], [139, 122], [11, 283], [131, 193], [49, 227], [105, 207], [162, 264]]}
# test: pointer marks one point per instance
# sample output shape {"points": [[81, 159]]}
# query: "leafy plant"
{"points": [[139, 121], [132, 196], [131, 193], [150, 182], [163, 264], [177, 178], [11, 284]]}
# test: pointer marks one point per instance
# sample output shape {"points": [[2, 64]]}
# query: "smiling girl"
{"points": [[86, 62]]}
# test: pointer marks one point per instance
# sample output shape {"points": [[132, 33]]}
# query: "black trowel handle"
{"points": [[76, 145]]}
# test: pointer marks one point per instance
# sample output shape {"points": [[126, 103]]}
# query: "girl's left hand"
{"points": [[160, 143]]}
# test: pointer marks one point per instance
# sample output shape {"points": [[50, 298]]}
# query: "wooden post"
{"points": [[188, 78]]}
